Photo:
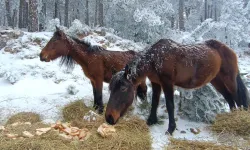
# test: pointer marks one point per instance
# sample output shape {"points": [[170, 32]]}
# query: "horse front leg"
{"points": [[94, 93], [152, 119], [98, 96], [169, 96]]}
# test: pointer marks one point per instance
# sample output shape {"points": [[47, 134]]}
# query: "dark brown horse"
{"points": [[167, 64], [97, 63]]}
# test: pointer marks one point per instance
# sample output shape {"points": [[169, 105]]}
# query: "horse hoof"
{"points": [[100, 111], [167, 133], [95, 107], [170, 131], [152, 120]]}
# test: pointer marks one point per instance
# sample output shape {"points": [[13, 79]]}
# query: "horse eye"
{"points": [[124, 89]]}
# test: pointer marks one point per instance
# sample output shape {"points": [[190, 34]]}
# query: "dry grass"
{"points": [[176, 144], [74, 111], [24, 117], [236, 122], [132, 133], [234, 140]]}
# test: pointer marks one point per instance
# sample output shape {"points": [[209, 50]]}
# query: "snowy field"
{"points": [[27, 84]]}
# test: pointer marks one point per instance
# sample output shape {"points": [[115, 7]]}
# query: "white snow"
{"points": [[27, 84]]}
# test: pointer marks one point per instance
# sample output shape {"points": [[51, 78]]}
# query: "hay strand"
{"points": [[176, 144], [236, 122]]}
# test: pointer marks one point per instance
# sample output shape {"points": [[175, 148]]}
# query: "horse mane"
{"points": [[91, 48], [69, 62], [116, 79]]}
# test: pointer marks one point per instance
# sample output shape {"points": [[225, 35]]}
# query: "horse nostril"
{"points": [[41, 58], [110, 120]]}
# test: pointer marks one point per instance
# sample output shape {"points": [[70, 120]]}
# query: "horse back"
{"points": [[115, 61]]}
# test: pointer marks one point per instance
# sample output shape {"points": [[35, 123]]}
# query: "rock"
{"points": [[8, 34], [195, 131], [183, 132], [203, 106], [10, 50]]}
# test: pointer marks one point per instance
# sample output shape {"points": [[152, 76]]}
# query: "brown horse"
{"points": [[168, 63], [97, 63]]}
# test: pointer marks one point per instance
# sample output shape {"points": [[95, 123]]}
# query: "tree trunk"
{"points": [[215, 10], [96, 12], [60, 16], [208, 10], [205, 17], [14, 19], [42, 16], [172, 22], [56, 9], [78, 12], [66, 13], [187, 12], [211, 11], [20, 18], [181, 15], [101, 17], [25, 14], [8, 13], [87, 13], [33, 17]]}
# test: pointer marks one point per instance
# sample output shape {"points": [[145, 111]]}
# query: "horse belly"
{"points": [[199, 74]]}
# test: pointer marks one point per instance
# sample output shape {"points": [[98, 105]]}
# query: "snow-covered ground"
{"points": [[27, 84]]}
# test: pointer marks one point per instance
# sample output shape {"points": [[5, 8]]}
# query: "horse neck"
{"points": [[78, 52]]}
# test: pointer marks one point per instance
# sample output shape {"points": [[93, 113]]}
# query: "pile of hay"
{"points": [[24, 117], [131, 133], [236, 122], [176, 144], [74, 111]]}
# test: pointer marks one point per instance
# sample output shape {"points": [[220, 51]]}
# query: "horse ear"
{"points": [[57, 28], [60, 33], [126, 71]]}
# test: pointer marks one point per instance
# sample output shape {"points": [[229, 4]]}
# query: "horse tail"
{"points": [[141, 91], [242, 92]]}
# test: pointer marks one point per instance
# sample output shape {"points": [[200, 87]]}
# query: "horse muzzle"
{"points": [[44, 58], [112, 119]]}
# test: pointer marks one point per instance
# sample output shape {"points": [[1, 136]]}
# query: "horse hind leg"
{"points": [[220, 86]]}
